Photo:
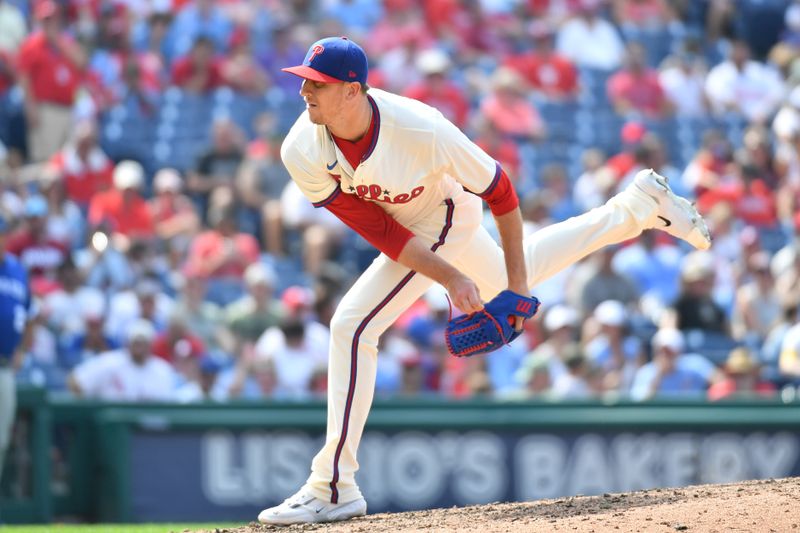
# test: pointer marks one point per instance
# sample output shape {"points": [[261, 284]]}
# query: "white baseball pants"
{"points": [[387, 289]]}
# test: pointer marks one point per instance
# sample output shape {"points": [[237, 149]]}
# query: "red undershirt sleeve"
{"points": [[371, 222], [500, 195]]}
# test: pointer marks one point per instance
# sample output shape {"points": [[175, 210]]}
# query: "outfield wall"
{"points": [[226, 462]]}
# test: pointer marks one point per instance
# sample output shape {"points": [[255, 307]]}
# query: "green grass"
{"points": [[116, 528]]}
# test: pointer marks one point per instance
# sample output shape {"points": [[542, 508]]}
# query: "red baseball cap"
{"points": [[333, 60]]}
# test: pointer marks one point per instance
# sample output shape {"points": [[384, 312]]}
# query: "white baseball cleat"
{"points": [[676, 215], [303, 508]]}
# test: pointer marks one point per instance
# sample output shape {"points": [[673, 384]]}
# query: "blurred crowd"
{"points": [[171, 257]]}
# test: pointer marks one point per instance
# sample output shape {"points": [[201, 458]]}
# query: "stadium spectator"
{"points": [[654, 266], [595, 281], [201, 19], [635, 90], [217, 165], [555, 186], [398, 66], [711, 165], [40, 254], [251, 378], [131, 374], [145, 300], [283, 50], [200, 70], [560, 325], [590, 41], [119, 70], [574, 384], [321, 231], [436, 89], [221, 255], [122, 211], [747, 191], [620, 164], [151, 35], [534, 378], [76, 348], [695, 307], [200, 386], [758, 306], [609, 346], [82, 165], [682, 77], [551, 76], [650, 153], [174, 215], [240, 70], [204, 318], [508, 108], [177, 342], [665, 375], [66, 305], [261, 179], [50, 65], [255, 312], [397, 353], [297, 303], [65, 221], [503, 149], [742, 379], [296, 361], [595, 185], [742, 85]]}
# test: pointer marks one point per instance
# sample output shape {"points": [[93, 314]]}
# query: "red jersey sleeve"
{"points": [[370, 221], [500, 195]]}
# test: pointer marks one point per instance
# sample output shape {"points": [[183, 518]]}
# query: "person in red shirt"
{"points": [[550, 74], [436, 90], [742, 378], [177, 342], [82, 165], [40, 254], [618, 165], [198, 71], [122, 211], [636, 88], [240, 70], [508, 108], [752, 199], [502, 149], [174, 215], [50, 65], [222, 252]]}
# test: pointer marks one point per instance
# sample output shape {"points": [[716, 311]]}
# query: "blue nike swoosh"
{"points": [[330, 167]]}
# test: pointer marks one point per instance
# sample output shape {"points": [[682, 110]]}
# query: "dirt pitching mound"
{"points": [[753, 506]]}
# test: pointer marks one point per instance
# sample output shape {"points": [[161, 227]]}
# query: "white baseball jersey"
{"points": [[416, 160]]}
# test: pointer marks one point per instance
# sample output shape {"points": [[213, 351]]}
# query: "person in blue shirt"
{"points": [[668, 374], [15, 334]]}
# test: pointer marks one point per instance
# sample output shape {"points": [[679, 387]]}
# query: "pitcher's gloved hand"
{"points": [[487, 330]]}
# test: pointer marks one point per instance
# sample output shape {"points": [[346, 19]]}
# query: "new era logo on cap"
{"points": [[331, 60]]}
